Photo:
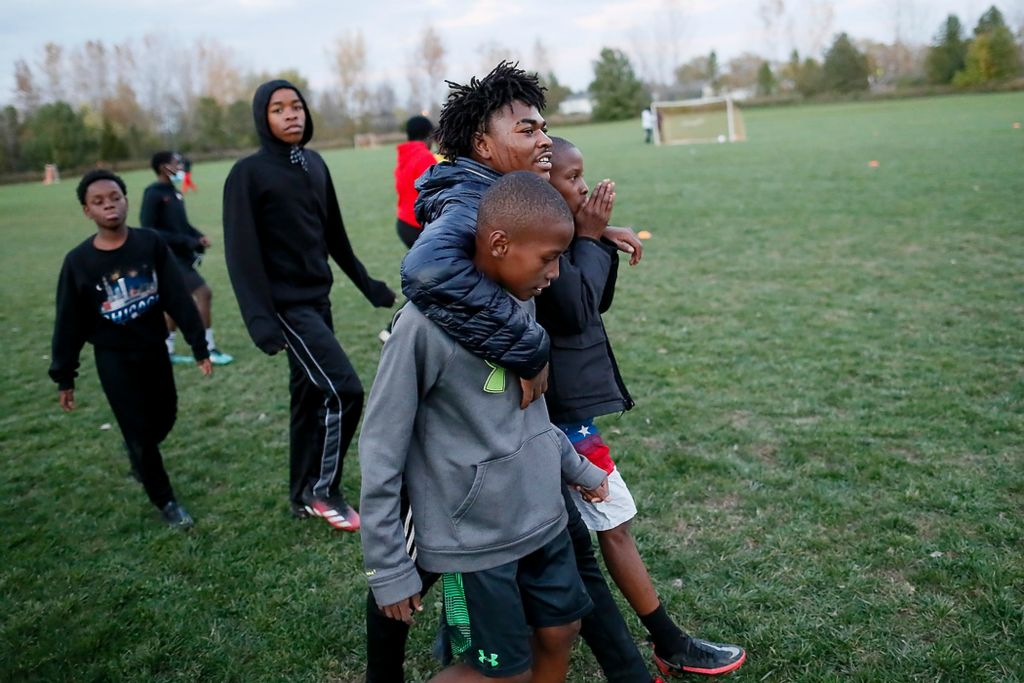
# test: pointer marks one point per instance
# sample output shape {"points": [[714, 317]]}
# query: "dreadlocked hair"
{"points": [[469, 107]]}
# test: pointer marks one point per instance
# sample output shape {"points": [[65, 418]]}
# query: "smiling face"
{"points": [[567, 177], [515, 141], [105, 204], [286, 116]]}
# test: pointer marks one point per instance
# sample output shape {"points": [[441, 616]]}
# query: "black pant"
{"points": [[604, 630], [140, 389], [407, 233], [327, 400]]}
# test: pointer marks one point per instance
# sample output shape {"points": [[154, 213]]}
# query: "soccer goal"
{"points": [[691, 121]]}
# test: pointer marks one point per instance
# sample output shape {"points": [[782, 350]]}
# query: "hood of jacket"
{"points": [[259, 115], [437, 182]]}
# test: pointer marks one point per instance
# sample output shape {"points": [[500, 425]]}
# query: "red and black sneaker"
{"points": [[701, 657], [334, 509]]}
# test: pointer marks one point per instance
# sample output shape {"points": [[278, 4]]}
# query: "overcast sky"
{"points": [[268, 35]]}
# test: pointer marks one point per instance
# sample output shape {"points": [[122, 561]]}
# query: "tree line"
{"points": [[95, 102]]}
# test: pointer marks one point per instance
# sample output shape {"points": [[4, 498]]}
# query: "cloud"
{"points": [[482, 13]]}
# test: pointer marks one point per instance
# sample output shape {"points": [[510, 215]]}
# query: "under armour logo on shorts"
{"points": [[488, 659]]}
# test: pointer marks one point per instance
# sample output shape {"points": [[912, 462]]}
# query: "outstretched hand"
{"points": [[403, 610], [205, 366], [592, 217], [626, 241]]}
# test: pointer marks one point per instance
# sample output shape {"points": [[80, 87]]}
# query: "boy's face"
{"points": [[567, 178], [286, 116], [526, 262], [105, 204], [516, 140]]}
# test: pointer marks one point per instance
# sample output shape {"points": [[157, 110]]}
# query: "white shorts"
{"points": [[619, 507]]}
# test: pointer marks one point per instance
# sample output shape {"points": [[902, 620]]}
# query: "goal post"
{"points": [[685, 122]]}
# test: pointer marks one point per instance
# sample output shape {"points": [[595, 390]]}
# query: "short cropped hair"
{"points": [[469, 107], [97, 175], [159, 159], [521, 200], [560, 145], [418, 128]]}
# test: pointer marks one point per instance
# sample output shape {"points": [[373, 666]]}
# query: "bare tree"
{"points": [[821, 15], [657, 51], [493, 52], [52, 66], [25, 89], [425, 70], [349, 61], [773, 17], [217, 72]]}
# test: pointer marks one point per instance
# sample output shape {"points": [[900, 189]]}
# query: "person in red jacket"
{"points": [[414, 157]]}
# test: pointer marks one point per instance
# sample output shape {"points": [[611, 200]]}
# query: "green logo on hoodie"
{"points": [[495, 383]]}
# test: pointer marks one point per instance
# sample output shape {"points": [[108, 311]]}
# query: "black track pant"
{"points": [[327, 400], [140, 388], [604, 630]]}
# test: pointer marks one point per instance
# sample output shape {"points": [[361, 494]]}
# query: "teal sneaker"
{"points": [[182, 360], [218, 358]]}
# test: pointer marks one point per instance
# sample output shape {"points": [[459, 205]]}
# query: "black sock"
{"points": [[667, 637]]}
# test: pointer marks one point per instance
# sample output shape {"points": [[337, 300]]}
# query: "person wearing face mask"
{"points": [[163, 209]]}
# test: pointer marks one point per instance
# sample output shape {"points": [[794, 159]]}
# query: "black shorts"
{"points": [[193, 280], [489, 615]]}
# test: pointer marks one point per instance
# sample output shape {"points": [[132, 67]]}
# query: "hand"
{"points": [[382, 296], [403, 610], [592, 217], [598, 495], [205, 367], [626, 241], [533, 388], [67, 400], [205, 241]]}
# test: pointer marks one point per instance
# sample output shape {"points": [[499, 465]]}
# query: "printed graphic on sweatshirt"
{"points": [[495, 382], [128, 293]]}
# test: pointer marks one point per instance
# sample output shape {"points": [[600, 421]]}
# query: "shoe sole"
{"points": [[333, 518], [667, 669]]}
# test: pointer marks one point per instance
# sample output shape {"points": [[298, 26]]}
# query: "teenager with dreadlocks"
{"points": [[487, 128]]}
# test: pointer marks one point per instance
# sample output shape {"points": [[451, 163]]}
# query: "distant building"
{"points": [[576, 104]]}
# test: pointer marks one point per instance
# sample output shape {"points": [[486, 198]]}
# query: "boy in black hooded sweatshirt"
{"points": [[281, 220]]}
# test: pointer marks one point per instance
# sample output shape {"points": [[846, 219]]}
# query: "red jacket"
{"points": [[413, 159]]}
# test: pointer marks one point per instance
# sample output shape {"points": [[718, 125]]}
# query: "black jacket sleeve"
{"points": [[438, 275], [178, 302], [151, 215], [69, 330], [586, 277], [245, 264], [340, 249]]}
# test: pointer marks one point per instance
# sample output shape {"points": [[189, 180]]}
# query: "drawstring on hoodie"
{"points": [[297, 156]]}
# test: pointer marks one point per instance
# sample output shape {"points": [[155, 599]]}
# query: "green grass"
{"points": [[828, 361]]}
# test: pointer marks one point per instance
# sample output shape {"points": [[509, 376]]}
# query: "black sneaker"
{"points": [[177, 516], [299, 510], [701, 657]]}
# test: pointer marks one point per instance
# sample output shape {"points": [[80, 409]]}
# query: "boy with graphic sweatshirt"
{"points": [[281, 221], [483, 476], [113, 292]]}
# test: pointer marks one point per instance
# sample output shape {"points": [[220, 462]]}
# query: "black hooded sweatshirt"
{"points": [[280, 224]]}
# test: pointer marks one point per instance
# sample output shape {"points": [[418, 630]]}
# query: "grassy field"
{"points": [[828, 446]]}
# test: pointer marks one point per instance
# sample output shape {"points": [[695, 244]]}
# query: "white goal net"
{"points": [[692, 121]]}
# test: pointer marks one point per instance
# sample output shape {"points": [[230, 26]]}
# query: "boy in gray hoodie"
{"points": [[482, 475]]}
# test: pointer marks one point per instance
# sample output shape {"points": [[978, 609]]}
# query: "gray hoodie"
{"points": [[482, 475]]}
